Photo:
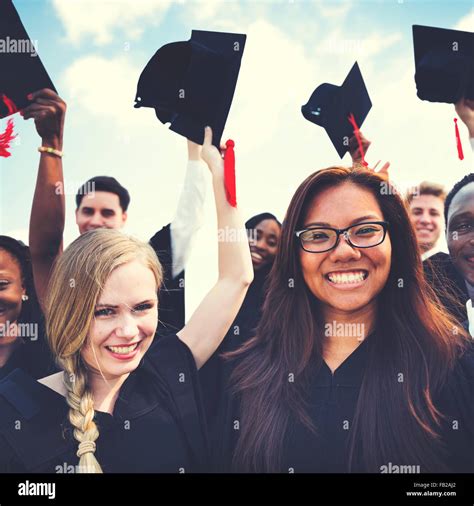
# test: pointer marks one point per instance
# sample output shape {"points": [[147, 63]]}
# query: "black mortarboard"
{"points": [[191, 84], [330, 107], [21, 70], [444, 61]]}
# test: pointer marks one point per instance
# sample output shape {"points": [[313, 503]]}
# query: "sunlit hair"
{"points": [[78, 278], [427, 188], [414, 340]]}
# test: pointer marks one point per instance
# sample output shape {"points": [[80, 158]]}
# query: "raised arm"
{"points": [[189, 215], [209, 323], [48, 210]]}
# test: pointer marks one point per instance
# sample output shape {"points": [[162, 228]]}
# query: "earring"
{"points": [[24, 298]]}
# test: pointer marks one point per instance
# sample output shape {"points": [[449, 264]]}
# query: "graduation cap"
{"points": [[444, 61], [331, 106], [21, 70], [191, 84]]}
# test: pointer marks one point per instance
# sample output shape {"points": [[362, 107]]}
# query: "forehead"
{"points": [[268, 227], [338, 205], [128, 284], [463, 201], [427, 202], [8, 263], [99, 200]]}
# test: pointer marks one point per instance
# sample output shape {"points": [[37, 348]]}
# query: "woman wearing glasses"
{"points": [[353, 368]]}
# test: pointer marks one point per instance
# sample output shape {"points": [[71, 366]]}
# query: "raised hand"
{"points": [[48, 110], [354, 148], [211, 155]]}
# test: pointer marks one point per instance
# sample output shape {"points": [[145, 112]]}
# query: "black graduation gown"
{"points": [[171, 296], [448, 284], [33, 355], [211, 375], [157, 425], [331, 405]]}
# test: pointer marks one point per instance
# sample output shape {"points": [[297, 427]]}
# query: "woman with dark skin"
{"points": [[353, 366], [22, 343]]}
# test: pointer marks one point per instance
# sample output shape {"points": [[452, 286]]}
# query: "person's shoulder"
{"points": [[31, 417], [169, 356], [439, 259]]}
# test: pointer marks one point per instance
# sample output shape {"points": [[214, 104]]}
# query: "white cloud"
{"points": [[99, 19], [466, 23], [105, 88]]}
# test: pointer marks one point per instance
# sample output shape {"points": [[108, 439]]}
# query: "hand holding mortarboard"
{"points": [[358, 146], [48, 110], [340, 109]]}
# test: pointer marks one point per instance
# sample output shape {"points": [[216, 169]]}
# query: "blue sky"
{"points": [[94, 52]]}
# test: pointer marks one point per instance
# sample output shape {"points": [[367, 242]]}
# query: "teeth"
{"points": [[352, 277], [122, 350]]}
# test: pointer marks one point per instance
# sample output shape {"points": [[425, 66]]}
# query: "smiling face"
{"points": [[345, 279], [426, 214], [11, 290], [100, 210], [126, 317], [264, 248], [460, 235]]}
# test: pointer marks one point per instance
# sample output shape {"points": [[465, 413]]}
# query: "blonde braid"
{"points": [[81, 416]]}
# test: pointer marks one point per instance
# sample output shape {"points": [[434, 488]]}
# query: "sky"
{"points": [[95, 50]]}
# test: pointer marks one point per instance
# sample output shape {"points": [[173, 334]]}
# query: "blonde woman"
{"points": [[122, 403]]}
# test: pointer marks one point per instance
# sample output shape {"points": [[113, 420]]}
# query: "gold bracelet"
{"points": [[51, 151]]}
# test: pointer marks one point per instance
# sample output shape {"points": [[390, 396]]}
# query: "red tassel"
{"points": [[229, 173], [8, 135], [5, 139], [12, 109], [352, 121], [458, 140]]}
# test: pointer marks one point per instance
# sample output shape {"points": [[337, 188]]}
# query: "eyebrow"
{"points": [[357, 220], [460, 216], [114, 306]]}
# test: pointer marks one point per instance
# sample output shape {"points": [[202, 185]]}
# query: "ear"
{"points": [[124, 217]]}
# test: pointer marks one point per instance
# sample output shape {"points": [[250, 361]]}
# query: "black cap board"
{"points": [[444, 62], [21, 70], [330, 107], [191, 84]]}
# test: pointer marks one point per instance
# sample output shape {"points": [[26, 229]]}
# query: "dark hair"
{"points": [[428, 188], [469, 178], [21, 253], [104, 184], [251, 223], [417, 339]]}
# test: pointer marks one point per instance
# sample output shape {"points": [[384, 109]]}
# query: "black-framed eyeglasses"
{"points": [[362, 235]]}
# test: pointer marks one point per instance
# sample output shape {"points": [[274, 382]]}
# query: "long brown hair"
{"points": [[393, 419]]}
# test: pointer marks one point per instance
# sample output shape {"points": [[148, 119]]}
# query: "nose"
{"points": [[425, 218], [261, 244], [96, 220], [344, 251], [126, 327]]}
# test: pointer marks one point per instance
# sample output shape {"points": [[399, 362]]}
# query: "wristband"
{"points": [[51, 151]]}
